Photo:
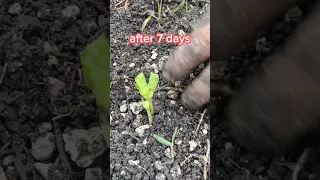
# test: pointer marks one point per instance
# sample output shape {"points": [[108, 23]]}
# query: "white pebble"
{"points": [[193, 145], [154, 55], [123, 108]]}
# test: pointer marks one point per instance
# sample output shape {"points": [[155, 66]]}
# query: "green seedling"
{"points": [[146, 90], [152, 15], [95, 60], [180, 6], [166, 142], [159, 9]]}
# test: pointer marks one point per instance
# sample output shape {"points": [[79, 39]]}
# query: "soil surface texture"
{"points": [[49, 126], [134, 153]]}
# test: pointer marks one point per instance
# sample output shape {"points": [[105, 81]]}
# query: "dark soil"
{"points": [[39, 61], [128, 146], [137, 155]]}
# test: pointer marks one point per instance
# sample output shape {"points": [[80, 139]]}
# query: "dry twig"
{"points": [[301, 160], [206, 160], [201, 119]]}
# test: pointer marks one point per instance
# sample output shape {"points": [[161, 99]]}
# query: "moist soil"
{"points": [[134, 153], [41, 79]]}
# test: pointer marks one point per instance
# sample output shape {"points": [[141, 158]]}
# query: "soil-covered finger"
{"points": [[198, 93], [187, 57]]}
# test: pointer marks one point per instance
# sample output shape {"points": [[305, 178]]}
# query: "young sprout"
{"points": [[166, 142], [180, 6], [146, 90], [159, 9]]}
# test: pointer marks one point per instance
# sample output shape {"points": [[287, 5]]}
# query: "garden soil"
{"points": [[49, 126], [135, 154]]}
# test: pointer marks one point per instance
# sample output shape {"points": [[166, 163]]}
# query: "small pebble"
{"points": [[71, 11], [43, 147], [154, 55], [136, 107], [140, 130], [134, 163], [167, 152], [192, 145], [137, 121], [132, 65], [93, 174], [228, 146], [123, 108], [160, 176], [8, 160], [15, 9], [52, 61], [172, 94], [158, 165]]}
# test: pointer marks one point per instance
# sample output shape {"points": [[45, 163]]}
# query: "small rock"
{"points": [[155, 68], [137, 121], [160, 176], [55, 86], [15, 9], [172, 94], [44, 127], [154, 55], [84, 146], [93, 174], [124, 115], [132, 65], [91, 26], [140, 130], [193, 145], [228, 146], [175, 171], [71, 11], [123, 108], [158, 165], [102, 20], [43, 169], [2, 174], [293, 15], [8, 160], [47, 47], [181, 32], [52, 61], [177, 83], [204, 131], [167, 152], [43, 147], [136, 107], [134, 163]]}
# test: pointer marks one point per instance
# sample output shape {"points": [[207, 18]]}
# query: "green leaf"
{"points": [[142, 86], [153, 81], [95, 60], [162, 140]]}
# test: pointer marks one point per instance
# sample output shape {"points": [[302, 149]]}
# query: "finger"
{"points": [[187, 57], [198, 93]]}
